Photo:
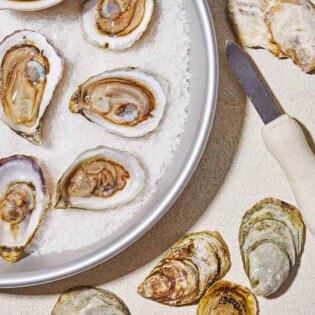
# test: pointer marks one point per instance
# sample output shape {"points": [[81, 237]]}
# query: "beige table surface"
{"points": [[235, 172]]}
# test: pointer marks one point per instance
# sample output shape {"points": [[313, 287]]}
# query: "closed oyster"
{"points": [[192, 265], [115, 24], [292, 23], [128, 102], [271, 237], [227, 298], [30, 71], [284, 27], [99, 178], [27, 5], [248, 20], [89, 300], [23, 200]]}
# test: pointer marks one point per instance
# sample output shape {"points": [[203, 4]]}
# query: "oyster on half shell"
{"points": [[115, 24], [27, 5], [30, 71], [128, 102], [98, 179], [23, 200]]}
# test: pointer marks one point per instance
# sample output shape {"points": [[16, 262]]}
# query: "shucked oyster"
{"points": [[23, 199], [27, 5], [116, 24], [98, 179], [271, 237], [227, 298], [284, 27], [89, 301], [128, 102], [192, 265], [30, 70]]}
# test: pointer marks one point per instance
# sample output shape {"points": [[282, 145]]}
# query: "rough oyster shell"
{"points": [[271, 236], [284, 27], [116, 181], [115, 24], [292, 23], [89, 300], [15, 237], [30, 71], [128, 102], [225, 297], [187, 270], [27, 5]]}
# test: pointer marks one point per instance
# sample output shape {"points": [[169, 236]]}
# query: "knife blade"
{"points": [[251, 83]]}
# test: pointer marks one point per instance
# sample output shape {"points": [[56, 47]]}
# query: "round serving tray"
{"points": [[203, 87]]}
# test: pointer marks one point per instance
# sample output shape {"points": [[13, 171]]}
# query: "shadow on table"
{"points": [[198, 195]]}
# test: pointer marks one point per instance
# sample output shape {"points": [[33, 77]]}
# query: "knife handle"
{"points": [[287, 143]]}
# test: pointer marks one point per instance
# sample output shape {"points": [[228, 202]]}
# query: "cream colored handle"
{"points": [[286, 141]]}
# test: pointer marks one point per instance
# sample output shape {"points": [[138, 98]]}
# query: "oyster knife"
{"points": [[282, 135]]}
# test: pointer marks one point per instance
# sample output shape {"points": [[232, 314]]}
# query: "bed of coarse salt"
{"points": [[164, 49]]}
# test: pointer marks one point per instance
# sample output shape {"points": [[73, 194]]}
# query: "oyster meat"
{"points": [[284, 27], [227, 298], [271, 237], [98, 179], [27, 5], [115, 24], [128, 102], [88, 301], [192, 265], [30, 71], [23, 200]]}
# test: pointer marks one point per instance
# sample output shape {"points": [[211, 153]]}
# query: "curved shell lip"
{"points": [[92, 35], [120, 305], [158, 85], [59, 201], [33, 134], [13, 253], [28, 5], [238, 290]]}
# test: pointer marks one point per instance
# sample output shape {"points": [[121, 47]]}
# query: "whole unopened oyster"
{"points": [[23, 199], [89, 301], [116, 24], [271, 237], [99, 178], [192, 265], [30, 71], [129, 102], [27, 5], [227, 298], [284, 27]]}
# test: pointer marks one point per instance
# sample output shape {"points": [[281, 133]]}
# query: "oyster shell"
{"points": [[89, 300], [284, 27], [99, 178], [115, 24], [30, 71], [271, 236], [227, 298], [129, 102], [292, 23], [248, 20], [23, 200], [187, 270], [27, 5]]}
